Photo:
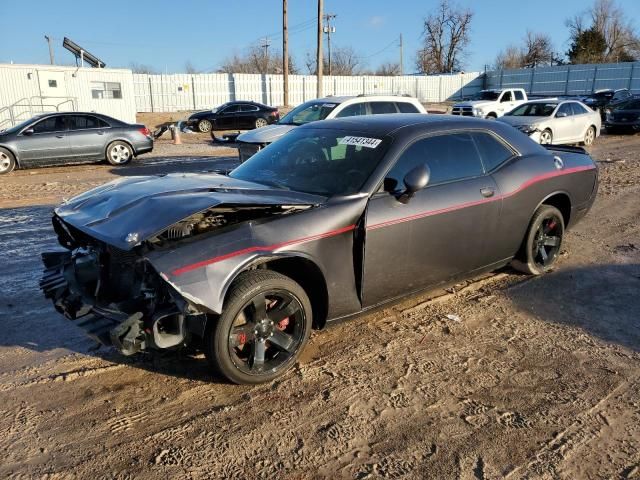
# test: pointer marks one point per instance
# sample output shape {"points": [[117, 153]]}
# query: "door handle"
{"points": [[487, 192], [100, 133], [59, 136]]}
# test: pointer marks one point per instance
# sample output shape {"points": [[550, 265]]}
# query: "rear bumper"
{"points": [[143, 146]]}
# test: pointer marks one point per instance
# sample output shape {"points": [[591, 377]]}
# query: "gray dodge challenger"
{"points": [[334, 219]]}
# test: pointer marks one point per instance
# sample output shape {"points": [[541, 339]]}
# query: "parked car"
{"points": [[555, 122], [491, 103], [601, 100], [625, 117], [334, 219], [234, 116], [324, 109], [73, 137]]}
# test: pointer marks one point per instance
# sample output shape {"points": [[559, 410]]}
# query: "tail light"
{"points": [[275, 114], [145, 131]]}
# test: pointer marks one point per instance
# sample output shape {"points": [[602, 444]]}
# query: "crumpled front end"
{"points": [[116, 296]]}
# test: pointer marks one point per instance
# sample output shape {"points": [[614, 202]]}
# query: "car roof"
{"points": [[384, 124], [365, 98]]}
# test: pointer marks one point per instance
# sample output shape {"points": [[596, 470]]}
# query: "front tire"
{"points": [[204, 126], [546, 137], [265, 324], [119, 153], [542, 243], [7, 161]]}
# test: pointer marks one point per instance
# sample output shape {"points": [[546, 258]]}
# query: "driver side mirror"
{"points": [[28, 132], [561, 114], [415, 180]]}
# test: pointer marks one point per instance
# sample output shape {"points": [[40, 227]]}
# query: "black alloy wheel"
{"points": [[264, 326], [542, 244]]}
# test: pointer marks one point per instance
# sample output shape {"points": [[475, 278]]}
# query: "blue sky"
{"points": [[167, 34]]}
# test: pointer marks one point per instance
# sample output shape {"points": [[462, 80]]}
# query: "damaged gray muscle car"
{"points": [[335, 218]]}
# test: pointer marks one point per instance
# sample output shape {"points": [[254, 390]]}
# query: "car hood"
{"points": [[141, 207], [474, 103], [522, 120], [267, 134]]}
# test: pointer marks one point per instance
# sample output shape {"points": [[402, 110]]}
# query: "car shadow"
{"points": [[183, 164], [602, 300]]}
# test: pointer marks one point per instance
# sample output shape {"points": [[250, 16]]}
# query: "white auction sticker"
{"points": [[361, 141]]}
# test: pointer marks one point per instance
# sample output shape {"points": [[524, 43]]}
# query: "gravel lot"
{"points": [[539, 379]]}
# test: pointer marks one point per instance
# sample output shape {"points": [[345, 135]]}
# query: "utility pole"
{"points": [[265, 44], [319, 61], [285, 55], [401, 57], [51, 59], [329, 30]]}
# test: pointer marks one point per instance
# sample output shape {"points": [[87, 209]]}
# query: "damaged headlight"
{"points": [[528, 129]]}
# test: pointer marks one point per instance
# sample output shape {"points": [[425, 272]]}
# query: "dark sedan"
{"points": [[335, 218], [625, 117], [73, 137], [234, 116]]}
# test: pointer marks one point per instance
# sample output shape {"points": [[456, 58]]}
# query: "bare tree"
{"points": [[344, 61], [510, 57], [255, 60], [189, 68], [607, 20], [141, 68], [446, 37], [537, 50], [388, 69]]}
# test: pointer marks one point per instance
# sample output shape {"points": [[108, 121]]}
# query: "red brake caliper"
{"points": [[284, 323], [242, 338]]}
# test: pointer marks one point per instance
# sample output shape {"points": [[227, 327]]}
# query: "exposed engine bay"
{"points": [[118, 297]]}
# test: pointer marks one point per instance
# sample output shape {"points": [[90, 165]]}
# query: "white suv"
{"points": [[323, 109]]}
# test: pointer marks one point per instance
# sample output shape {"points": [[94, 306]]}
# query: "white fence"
{"points": [[171, 93], [568, 79]]}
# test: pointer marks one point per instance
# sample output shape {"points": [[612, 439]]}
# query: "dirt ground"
{"points": [[539, 378]]}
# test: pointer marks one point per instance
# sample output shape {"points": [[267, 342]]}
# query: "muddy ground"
{"points": [[540, 378]]}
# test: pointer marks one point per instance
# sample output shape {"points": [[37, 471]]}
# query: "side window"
{"points": [[518, 94], [506, 97], [231, 109], [51, 124], [82, 122], [382, 107], [352, 110], [565, 108], [492, 151], [405, 107], [577, 109], [449, 157], [248, 108]]}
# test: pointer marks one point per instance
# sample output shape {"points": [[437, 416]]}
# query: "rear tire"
{"points": [[542, 243], [265, 323], [7, 161], [261, 122], [491, 116], [589, 136], [119, 153]]}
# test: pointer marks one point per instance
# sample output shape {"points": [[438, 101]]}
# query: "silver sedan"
{"points": [[71, 137], [556, 122]]}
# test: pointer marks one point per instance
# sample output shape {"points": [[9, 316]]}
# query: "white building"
{"points": [[26, 90]]}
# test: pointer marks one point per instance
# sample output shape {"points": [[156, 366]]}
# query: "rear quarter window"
{"points": [[405, 107], [382, 107], [492, 151]]}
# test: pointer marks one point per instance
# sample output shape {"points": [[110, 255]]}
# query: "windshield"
{"points": [[319, 161], [534, 110], [308, 112], [20, 126], [486, 95], [634, 105]]}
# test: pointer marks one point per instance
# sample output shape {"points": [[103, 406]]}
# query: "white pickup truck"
{"points": [[491, 103]]}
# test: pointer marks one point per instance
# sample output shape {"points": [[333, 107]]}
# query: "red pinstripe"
{"points": [[269, 248]]}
